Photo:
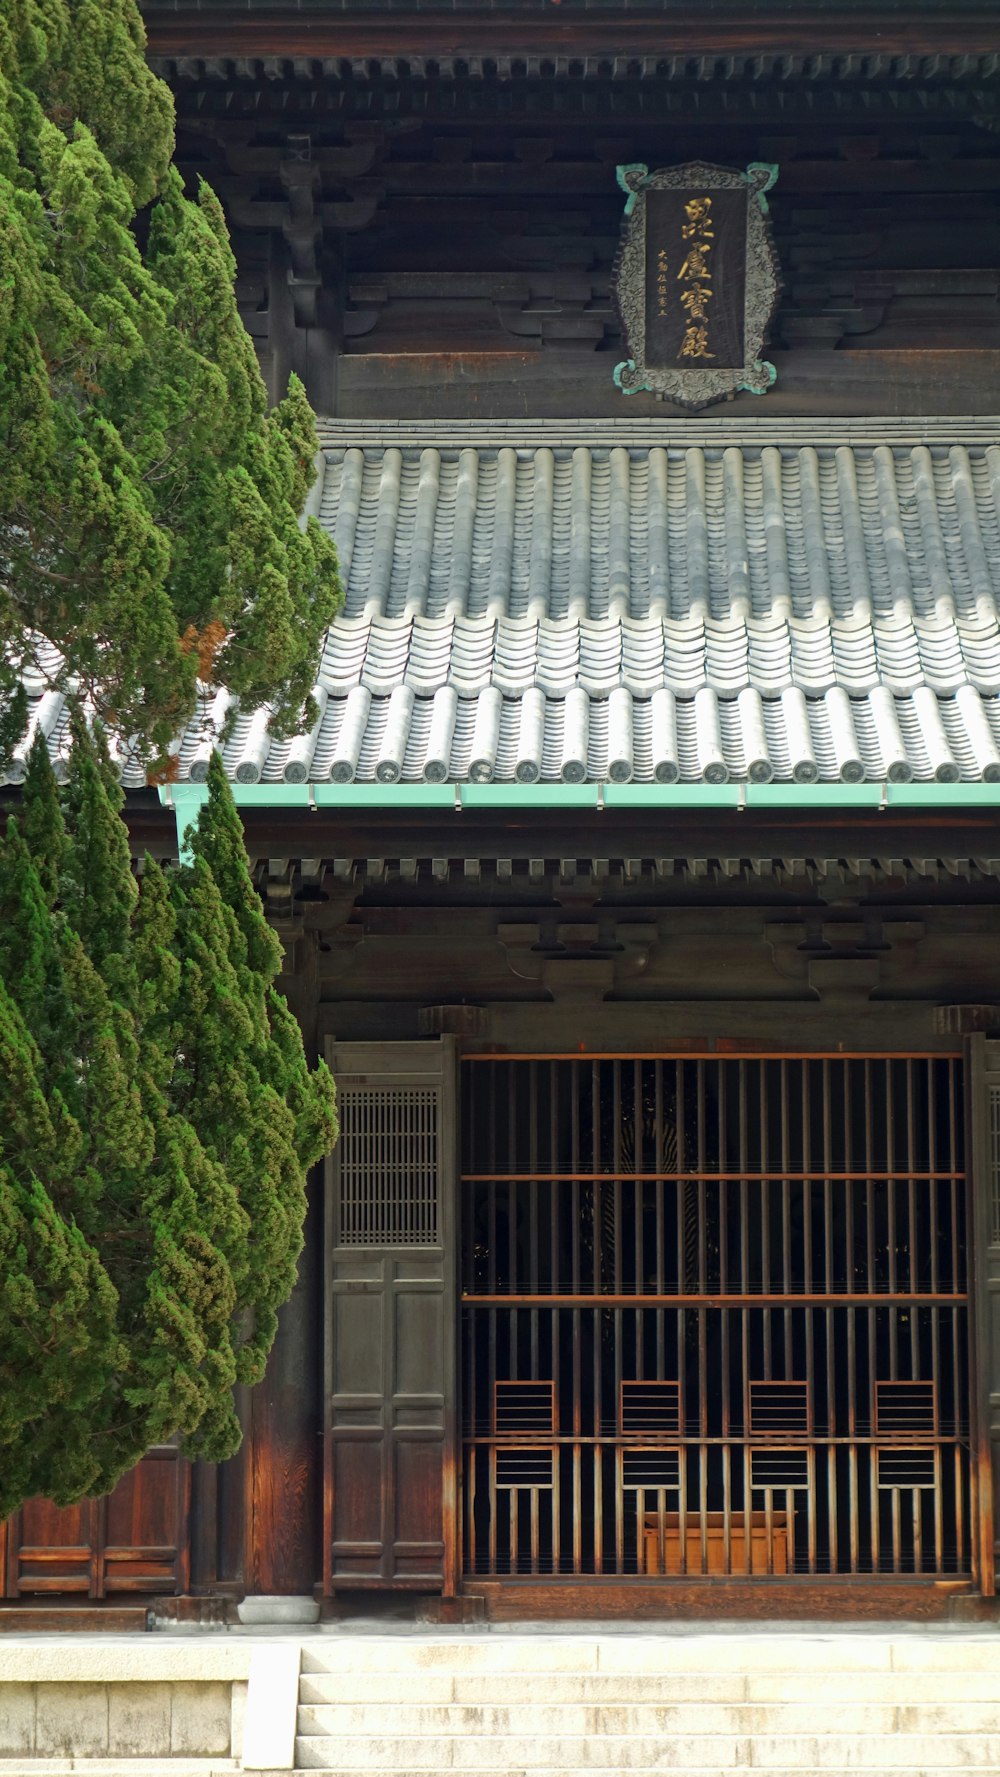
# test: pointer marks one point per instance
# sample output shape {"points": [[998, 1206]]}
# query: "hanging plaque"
{"points": [[695, 281]]}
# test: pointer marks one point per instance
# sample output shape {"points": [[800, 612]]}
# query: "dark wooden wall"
{"points": [[422, 242]]}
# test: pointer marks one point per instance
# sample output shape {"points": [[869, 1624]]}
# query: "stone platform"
{"points": [[355, 1698]]}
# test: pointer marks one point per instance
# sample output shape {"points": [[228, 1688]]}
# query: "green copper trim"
{"points": [[187, 799], [763, 174]]}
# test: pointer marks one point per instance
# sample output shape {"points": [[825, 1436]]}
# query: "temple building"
{"points": [[640, 875]]}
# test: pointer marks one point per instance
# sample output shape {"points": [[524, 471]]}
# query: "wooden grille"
{"points": [[744, 1282], [388, 1166]]}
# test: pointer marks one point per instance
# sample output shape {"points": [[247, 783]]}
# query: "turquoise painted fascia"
{"points": [[815, 795], [911, 795], [955, 795], [187, 799], [669, 795], [528, 795]]}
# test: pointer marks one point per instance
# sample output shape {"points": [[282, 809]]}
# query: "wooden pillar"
{"points": [[284, 1449], [983, 1098]]}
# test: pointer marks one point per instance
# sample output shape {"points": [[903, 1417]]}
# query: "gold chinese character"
{"points": [[695, 344], [695, 300], [696, 263], [698, 209]]}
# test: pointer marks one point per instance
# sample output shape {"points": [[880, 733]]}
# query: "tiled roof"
{"points": [[665, 601]]}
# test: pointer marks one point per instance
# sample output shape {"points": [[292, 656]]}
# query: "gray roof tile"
{"points": [[659, 600]]}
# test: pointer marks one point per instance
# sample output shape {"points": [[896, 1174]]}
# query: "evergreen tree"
{"points": [[157, 1119], [259, 1109], [41, 820], [149, 502], [60, 1343]]}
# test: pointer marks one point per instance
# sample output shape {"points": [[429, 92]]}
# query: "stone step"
{"points": [[900, 1751], [488, 1688], [721, 1752], [715, 1705], [826, 1715], [119, 1767], [926, 1770], [637, 1655]]}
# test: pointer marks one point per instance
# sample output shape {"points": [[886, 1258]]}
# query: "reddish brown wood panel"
{"points": [[134, 1540], [513, 1601], [52, 1548], [283, 1448]]}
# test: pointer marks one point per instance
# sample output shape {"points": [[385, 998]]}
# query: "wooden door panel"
{"points": [[134, 1540], [145, 1526], [391, 1320], [52, 1548]]}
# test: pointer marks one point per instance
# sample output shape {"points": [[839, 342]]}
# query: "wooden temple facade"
{"points": [[640, 876]]}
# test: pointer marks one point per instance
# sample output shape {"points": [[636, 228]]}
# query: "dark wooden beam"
{"points": [[514, 384], [553, 832], [545, 30]]}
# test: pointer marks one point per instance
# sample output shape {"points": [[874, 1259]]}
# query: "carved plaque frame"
{"points": [[696, 387]]}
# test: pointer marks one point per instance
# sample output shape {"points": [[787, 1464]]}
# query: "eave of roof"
{"points": [[785, 38], [918, 833]]}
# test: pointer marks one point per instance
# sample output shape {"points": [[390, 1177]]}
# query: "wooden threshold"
{"points": [[69, 1619], [517, 1600]]}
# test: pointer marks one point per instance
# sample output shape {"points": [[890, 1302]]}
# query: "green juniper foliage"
{"points": [[157, 1120], [148, 500]]}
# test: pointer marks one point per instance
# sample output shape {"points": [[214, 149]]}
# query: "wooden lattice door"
{"points": [[715, 1318], [391, 1503]]}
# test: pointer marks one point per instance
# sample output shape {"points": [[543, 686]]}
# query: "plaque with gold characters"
{"points": [[696, 281]]}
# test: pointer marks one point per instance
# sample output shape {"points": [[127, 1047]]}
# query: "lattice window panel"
{"points": [[905, 1409], [650, 1409], [778, 1470], [523, 1468], [909, 1469], [525, 1408], [648, 1467], [779, 1409], [388, 1157]]}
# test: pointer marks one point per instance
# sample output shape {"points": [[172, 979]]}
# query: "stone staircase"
{"points": [[557, 1705]]}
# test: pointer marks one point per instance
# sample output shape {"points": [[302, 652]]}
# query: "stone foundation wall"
{"points": [[164, 1719], [131, 1698]]}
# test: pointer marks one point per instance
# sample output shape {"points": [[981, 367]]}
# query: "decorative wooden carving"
{"points": [[696, 281]]}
